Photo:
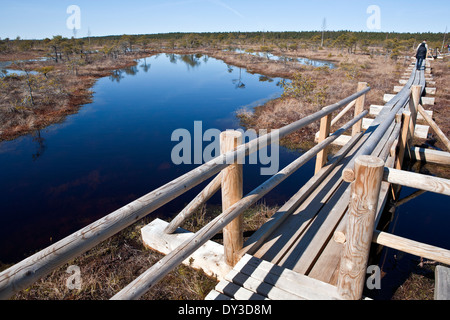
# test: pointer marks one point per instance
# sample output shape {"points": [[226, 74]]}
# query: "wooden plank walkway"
{"points": [[257, 279], [294, 255]]}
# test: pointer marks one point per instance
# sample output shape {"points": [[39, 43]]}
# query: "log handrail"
{"points": [[155, 273], [29, 270], [214, 185]]}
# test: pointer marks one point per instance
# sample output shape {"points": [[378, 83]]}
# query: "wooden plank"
{"points": [[278, 246], [299, 220], [342, 140], [215, 295], [326, 269], [306, 251], [260, 287], [287, 280], [429, 90], [413, 247], [209, 258], [442, 283], [253, 243], [428, 101], [236, 292]]}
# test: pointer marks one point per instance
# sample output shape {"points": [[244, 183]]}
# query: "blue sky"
{"points": [[46, 18]]}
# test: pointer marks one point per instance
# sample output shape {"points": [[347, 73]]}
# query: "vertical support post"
{"points": [[363, 205], [403, 139], [414, 101], [232, 192], [359, 107], [322, 156]]}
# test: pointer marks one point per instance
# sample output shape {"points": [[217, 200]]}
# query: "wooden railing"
{"points": [[26, 272], [366, 176], [369, 173]]}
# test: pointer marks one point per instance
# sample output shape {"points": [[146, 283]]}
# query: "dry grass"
{"points": [[441, 116], [330, 86]]}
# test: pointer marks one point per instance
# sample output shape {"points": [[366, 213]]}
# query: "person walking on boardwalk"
{"points": [[421, 54]]}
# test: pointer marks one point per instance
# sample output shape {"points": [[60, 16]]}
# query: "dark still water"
{"points": [[118, 148]]}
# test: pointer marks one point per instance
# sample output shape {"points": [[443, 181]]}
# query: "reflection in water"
{"points": [[191, 60], [238, 82], [263, 78], [40, 144], [118, 148], [118, 75], [304, 61], [145, 66]]}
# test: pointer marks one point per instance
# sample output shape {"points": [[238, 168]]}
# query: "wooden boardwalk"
{"points": [[313, 244], [300, 246]]}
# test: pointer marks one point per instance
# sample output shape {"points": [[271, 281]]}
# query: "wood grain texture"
{"points": [[232, 192], [361, 217]]}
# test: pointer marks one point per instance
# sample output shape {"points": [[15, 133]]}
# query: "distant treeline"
{"points": [[392, 44], [291, 35]]}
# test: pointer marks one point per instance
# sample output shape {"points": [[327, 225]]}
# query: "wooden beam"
{"points": [[359, 107], [435, 127], [430, 156], [416, 92], [403, 140], [322, 156], [361, 215], [198, 201], [343, 112], [417, 181], [412, 247]]}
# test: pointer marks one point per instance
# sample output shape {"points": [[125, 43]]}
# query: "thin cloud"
{"points": [[224, 5]]}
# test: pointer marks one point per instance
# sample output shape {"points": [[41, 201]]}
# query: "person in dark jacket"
{"points": [[421, 54]]}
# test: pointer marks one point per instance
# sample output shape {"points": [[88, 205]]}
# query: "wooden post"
{"points": [[359, 107], [403, 140], [232, 192], [414, 100], [322, 156], [361, 216]]}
